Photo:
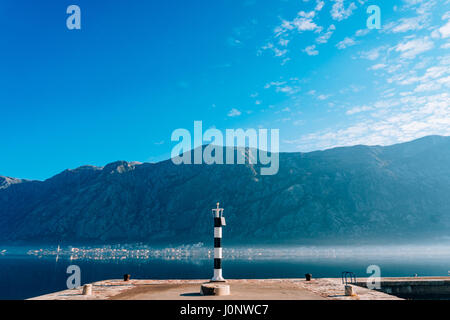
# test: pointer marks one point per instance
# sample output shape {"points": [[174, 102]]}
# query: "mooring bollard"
{"points": [[126, 277], [87, 290], [308, 276], [214, 289], [350, 291]]}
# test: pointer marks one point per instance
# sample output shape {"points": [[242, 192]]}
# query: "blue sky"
{"points": [[137, 70]]}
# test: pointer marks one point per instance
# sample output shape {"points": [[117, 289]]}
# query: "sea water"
{"points": [[25, 274]]}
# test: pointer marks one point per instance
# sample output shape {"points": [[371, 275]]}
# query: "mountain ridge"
{"points": [[353, 193]]}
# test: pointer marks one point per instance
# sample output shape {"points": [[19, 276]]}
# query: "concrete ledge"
{"points": [[414, 288]]}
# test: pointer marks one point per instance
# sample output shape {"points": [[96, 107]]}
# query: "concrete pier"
{"points": [[240, 289]]}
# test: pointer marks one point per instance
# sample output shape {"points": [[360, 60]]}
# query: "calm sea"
{"points": [[23, 276]]}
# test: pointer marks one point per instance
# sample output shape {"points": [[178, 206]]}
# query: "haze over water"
{"points": [[25, 273]]}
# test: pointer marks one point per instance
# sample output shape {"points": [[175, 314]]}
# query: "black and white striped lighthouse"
{"points": [[219, 221]]}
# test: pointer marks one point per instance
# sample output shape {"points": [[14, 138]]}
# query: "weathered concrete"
{"points": [[350, 291], [419, 288], [333, 289], [245, 289], [87, 290], [214, 289]]}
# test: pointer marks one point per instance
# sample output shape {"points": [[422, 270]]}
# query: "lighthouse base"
{"points": [[218, 276], [215, 289]]}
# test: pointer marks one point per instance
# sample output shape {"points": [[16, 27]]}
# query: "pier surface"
{"points": [[241, 289]]}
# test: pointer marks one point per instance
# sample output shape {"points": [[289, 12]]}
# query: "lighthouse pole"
{"points": [[219, 221]]}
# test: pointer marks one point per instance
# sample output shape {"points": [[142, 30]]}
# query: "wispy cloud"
{"points": [[327, 35], [358, 110], [373, 53], [378, 66], [406, 24], [303, 22], [311, 50], [411, 48], [340, 12], [288, 29], [290, 86], [234, 113], [442, 32], [347, 42], [418, 117], [323, 96], [319, 5], [408, 75], [362, 32]]}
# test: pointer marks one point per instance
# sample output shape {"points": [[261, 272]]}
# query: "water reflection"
{"points": [[196, 252]]}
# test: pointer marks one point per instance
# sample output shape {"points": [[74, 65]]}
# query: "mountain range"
{"points": [[351, 194]]}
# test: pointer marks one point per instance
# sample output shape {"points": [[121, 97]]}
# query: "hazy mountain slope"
{"points": [[361, 193]]}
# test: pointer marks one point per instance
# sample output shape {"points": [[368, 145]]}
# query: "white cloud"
{"points": [[309, 14], [319, 5], [408, 118], [304, 24], [362, 32], [372, 54], [298, 122], [347, 42], [378, 66], [411, 78], [410, 49], [433, 78], [339, 12], [234, 42], [327, 35], [279, 53], [286, 87], [274, 83], [234, 113], [358, 110], [407, 24], [323, 97], [446, 16], [283, 42], [311, 50], [445, 30]]}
